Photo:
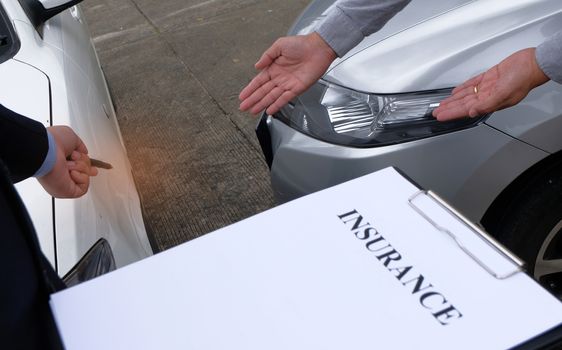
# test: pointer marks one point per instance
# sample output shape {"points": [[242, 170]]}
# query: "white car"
{"points": [[50, 72]]}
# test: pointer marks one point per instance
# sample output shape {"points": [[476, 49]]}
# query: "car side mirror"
{"points": [[39, 11]]}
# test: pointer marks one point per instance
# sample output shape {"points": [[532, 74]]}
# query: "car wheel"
{"points": [[531, 226]]}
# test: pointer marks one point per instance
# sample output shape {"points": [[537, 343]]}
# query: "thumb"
{"points": [[270, 55], [67, 139]]}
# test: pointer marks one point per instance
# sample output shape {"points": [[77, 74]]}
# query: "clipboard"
{"points": [[478, 232], [359, 266], [549, 340]]}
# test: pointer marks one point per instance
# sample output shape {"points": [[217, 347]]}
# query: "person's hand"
{"points": [[289, 67], [68, 178], [502, 86]]}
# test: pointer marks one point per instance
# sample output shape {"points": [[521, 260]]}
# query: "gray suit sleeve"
{"points": [[549, 57], [349, 21]]}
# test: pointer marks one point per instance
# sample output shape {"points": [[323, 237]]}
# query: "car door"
{"points": [[20, 84]]}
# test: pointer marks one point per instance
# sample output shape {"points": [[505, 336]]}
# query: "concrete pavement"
{"points": [[175, 69]]}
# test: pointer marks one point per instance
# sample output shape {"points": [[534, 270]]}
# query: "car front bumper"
{"points": [[469, 168]]}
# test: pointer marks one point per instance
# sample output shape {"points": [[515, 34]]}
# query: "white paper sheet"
{"points": [[297, 277]]}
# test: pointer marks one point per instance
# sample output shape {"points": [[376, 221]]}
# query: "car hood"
{"points": [[437, 44]]}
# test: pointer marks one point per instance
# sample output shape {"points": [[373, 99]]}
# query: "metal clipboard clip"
{"points": [[519, 264]]}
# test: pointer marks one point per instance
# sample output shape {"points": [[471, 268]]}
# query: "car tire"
{"points": [[531, 227]]}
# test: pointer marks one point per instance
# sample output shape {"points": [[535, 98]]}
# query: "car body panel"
{"points": [[537, 120], [427, 161], [63, 51], [15, 11], [48, 4], [29, 84], [445, 50], [459, 38], [26, 84], [413, 14]]}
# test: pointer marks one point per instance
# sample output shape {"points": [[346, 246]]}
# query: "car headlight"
{"points": [[342, 116]]}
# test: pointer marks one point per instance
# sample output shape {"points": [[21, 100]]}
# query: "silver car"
{"points": [[373, 110]]}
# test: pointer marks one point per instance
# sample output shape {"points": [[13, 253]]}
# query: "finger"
{"points": [[80, 184], [270, 55], [470, 82], [260, 79], [455, 110], [74, 141], [257, 96], [485, 90], [285, 98], [85, 158], [79, 177], [459, 95], [81, 158], [91, 170], [486, 105], [94, 171], [83, 165], [78, 166], [75, 155], [265, 102], [80, 145]]}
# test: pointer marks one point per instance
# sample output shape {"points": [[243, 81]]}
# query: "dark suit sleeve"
{"points": [[23, 144], [27, 279]]}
